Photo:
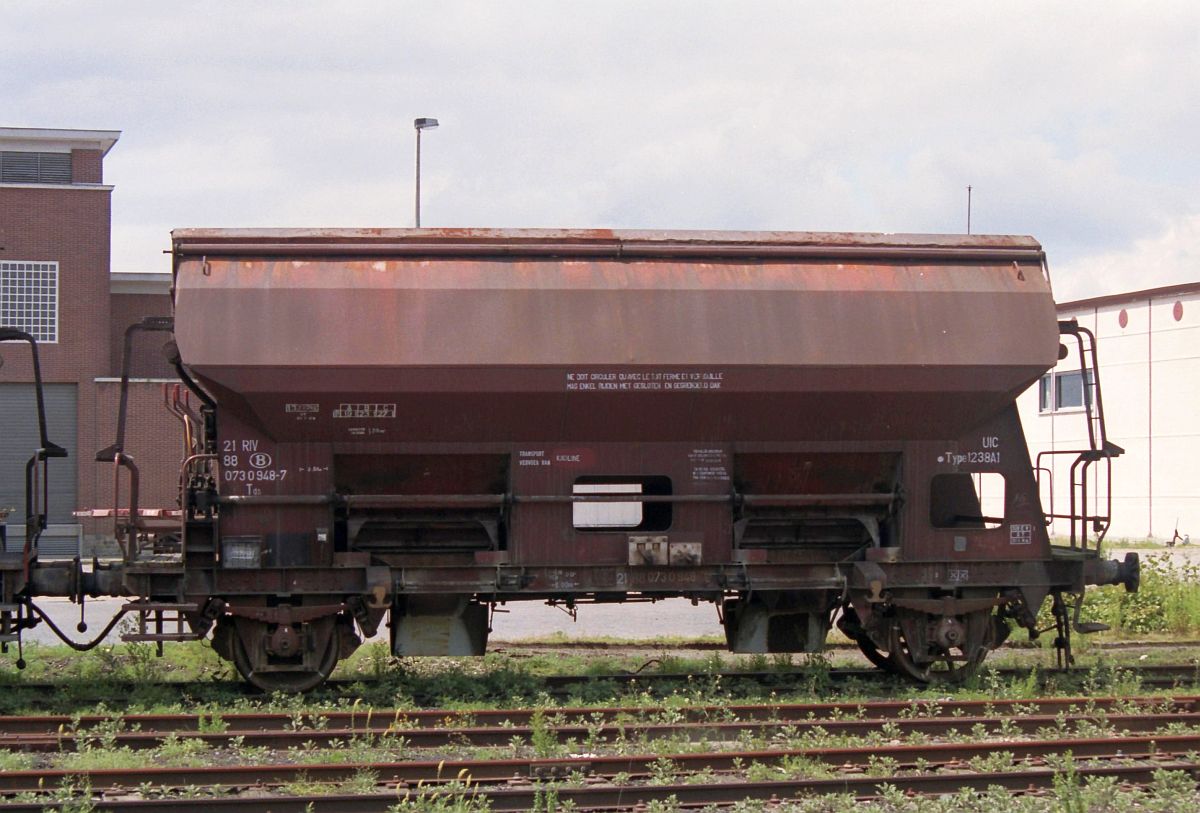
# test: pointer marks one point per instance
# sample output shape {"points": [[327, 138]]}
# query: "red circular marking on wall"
{"points": [[1177, 311], [1123, 318]]}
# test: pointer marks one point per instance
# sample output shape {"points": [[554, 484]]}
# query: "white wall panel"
{"points": [[1150, 374]]}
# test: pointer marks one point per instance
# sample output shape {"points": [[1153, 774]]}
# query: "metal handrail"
{"points": [[190, 463], [1099, 446], [483, 500]]}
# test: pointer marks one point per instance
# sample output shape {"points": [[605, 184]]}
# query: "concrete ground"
{"points": [[513, 622]]}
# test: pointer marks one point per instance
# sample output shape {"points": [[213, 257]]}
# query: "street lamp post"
{"points": [[419, 125]]}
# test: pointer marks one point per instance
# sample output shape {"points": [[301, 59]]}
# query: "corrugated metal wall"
{"points": [[18, 440]]}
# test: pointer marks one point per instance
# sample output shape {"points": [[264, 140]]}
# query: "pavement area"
{"points": [[513, 622]]}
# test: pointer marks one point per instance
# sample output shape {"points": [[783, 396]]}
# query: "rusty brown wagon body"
{"points": [[428, 422]]}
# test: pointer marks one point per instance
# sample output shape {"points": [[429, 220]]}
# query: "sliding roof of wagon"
{"points": [[603, 243]]}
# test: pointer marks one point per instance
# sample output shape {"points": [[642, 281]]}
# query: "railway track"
{"points": [[605, 758], [406, 719], [1150, 675], [33, 694], [619, 783], [485, 736], [947, 757]]}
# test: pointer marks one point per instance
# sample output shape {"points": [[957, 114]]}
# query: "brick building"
{"points": [[55, 283]]}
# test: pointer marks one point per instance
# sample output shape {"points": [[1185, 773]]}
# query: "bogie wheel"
{"points": [[878, 658], [851, 627], [310, 669], [939, 663]]}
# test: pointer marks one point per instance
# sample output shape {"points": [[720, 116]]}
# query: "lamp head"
{"points": [[425, 124]]}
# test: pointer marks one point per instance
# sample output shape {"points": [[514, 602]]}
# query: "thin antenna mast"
{"points": [[968, 209]]}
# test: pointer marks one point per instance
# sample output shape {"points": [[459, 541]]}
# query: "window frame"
{"points": [[25, 315], [652, 517], [946, 491], [1050, 387]]}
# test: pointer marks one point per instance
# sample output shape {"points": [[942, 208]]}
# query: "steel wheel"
{"points": [[939, 664], [283, 680], [851, 626], [877, 657]]}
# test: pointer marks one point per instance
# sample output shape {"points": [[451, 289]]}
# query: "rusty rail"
{"points": [[436, 718], [502, 735], [608, 767]]}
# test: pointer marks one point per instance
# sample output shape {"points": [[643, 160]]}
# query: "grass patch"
{"points": [[1167, 601]]}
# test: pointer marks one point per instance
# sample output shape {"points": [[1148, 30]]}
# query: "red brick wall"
{"points": [[87, 166], [154, 438], [147, 360], [70, 226]]}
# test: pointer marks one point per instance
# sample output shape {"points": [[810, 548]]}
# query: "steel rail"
{"points": [[52, 724], [1167, 675], [625, 797], [637, 766], [1149, 676], [604, 732]]}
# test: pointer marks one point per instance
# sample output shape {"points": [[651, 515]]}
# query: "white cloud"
{"points": [[1171, 257], [1074, 125]]}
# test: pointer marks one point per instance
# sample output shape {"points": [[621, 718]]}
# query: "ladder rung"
{"points": [[137, 637]]}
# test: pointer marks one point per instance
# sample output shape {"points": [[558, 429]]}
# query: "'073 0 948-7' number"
{"points": [[256, 476]]}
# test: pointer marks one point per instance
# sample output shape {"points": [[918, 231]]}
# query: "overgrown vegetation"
{"points": [[1171, 791], [1168, 600], [521, 680], [96, 746]]}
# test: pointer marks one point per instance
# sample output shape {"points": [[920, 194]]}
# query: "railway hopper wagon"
{"points": [[415, 426]]}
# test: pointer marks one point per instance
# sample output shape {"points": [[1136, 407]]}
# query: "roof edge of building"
{"points": [[139, 283], [102, 140]]}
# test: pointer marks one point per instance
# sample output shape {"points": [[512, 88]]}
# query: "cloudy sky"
{"points": [[1077, 123]]}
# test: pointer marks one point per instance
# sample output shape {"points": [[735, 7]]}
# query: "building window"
{"points": [[1045, 393], [35, 167], [1064, 392], [29, 298]]}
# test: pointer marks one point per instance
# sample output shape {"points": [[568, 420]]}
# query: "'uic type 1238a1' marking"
{"points": [[958, 458]]}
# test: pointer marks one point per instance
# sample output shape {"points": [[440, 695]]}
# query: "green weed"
{"points": [[1167, 600]]}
